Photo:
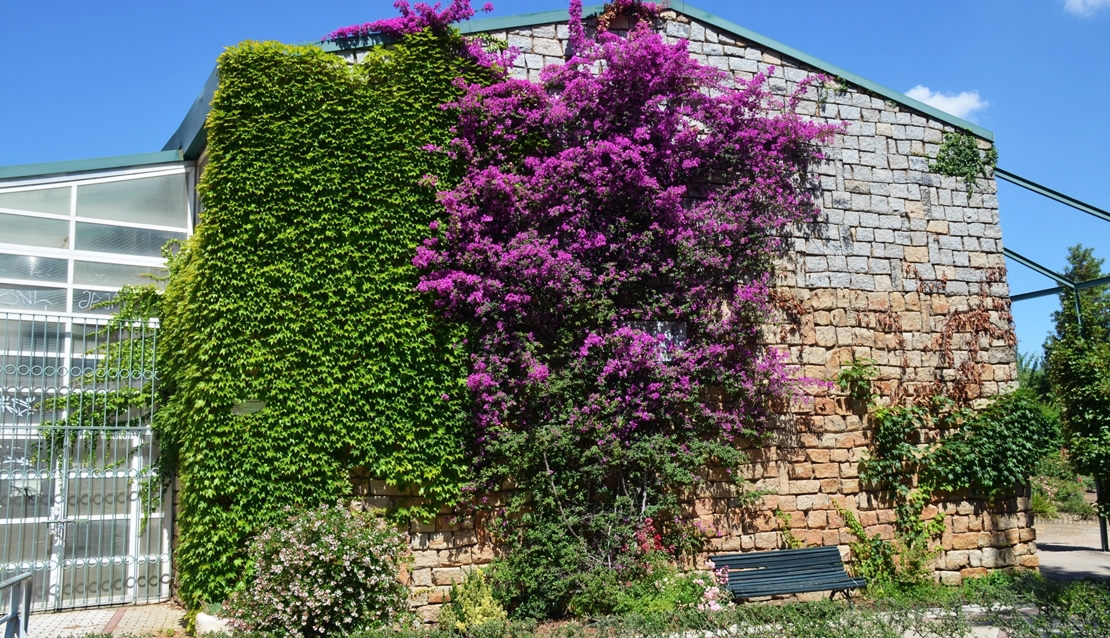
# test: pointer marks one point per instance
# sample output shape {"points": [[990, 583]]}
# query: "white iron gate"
{"points": [[82, 502]]}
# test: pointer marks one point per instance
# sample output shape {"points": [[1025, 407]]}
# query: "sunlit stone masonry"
{"points": [[905, 268]]}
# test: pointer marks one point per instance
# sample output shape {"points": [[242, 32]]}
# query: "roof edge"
{"points": [[191, 136], [92, 164], [520, 20], [889, 93]]}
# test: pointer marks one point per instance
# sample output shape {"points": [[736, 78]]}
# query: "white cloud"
{"points": [[962, 105], [1085, 7]]}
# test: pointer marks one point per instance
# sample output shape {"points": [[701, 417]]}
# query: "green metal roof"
{"points": [[190, 136], [85, 165]]}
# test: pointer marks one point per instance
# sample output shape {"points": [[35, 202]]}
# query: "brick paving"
{"points": [[118, 621]]}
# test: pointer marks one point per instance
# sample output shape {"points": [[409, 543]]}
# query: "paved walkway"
{"points": [[161, 619], [1071, 551]]}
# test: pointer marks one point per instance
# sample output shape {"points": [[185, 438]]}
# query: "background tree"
{"points": [[1094, 303], [1078, 362]]}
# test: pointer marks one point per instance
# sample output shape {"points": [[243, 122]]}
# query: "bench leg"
{"points": [[847, 596]]}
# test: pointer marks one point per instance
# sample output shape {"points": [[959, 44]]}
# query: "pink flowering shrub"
{"points": [[327, 571], [610, 246], [413, 19]]}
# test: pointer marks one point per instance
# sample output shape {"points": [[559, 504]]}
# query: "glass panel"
{"points": [[120, 239], [97, 497], [36, 268], [34, 231], [90, 302], [31, 334], [96, 274], [151, 200], [26, 486], [46, 200], [92, 584], [88, 539], [25, 407], [32, 298]]}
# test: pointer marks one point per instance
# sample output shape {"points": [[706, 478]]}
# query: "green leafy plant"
{"points": [[472, 605], [935, 447], [326, 571], [1077, 359], [652, 587], [297, 293], [856, 379], [1057, 489], [960, 156], [1071, 609], [788, 538], [873, 557], [990, 452]]}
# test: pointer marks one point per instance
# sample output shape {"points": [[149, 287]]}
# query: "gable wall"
{"points": [[901, 262]]}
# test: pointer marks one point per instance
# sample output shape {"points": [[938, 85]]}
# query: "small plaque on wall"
{"points": [[248, 407]]}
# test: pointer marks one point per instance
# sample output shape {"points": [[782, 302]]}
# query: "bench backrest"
{"points": [[790, 570]]}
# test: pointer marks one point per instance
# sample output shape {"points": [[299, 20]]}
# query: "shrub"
{"points": [[326, 571], [472, 605], [1077, 610], [652, 586], [610, 249]]}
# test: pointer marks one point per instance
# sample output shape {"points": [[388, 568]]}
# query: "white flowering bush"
{"points": [[327, 571]]}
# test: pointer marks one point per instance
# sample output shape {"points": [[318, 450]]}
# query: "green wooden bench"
{"points": [[789, 571]]}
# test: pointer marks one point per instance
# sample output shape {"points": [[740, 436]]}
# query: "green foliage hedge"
{"points": [[297, 290]]}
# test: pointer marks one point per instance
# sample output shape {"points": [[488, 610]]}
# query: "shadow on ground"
{"points": [[1070, 551]]}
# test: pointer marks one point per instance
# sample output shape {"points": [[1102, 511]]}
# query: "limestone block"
{"points": [[425, 559], [767, 540], [521, 43], [430, 613], [448, 576], [951, 579], [549, 47], [957, 559], [989, 557], [207, 625], [422, 578], [804, 487], [811, 502]]}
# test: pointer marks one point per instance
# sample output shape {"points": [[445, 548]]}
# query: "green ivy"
{"points": [[959, 156], [922, 450], [297, 293]]}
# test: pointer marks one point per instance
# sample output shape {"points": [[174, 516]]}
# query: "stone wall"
{"points": [[905, 268]]}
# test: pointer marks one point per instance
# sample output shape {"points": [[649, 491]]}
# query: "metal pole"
{"points": [[1101, 519]]}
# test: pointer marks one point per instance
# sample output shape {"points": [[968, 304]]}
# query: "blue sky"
{"points": [[83, 79]]}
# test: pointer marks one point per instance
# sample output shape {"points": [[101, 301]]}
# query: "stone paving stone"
{"points": [[69, 623], [134, 620]]}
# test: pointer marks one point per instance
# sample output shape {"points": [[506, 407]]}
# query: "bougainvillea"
{"points": [[610, 247], [413, 19], [635, 9]]}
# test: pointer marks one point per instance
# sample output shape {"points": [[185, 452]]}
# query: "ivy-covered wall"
{"points": [[299, 351]]}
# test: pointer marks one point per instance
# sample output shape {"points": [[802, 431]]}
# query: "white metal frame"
{"points": [[68, 317], [69, 252]]}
